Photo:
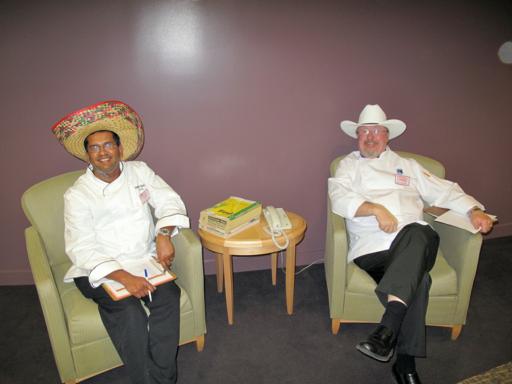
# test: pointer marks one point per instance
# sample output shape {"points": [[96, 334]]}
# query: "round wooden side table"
{"points": [[251, 242]]}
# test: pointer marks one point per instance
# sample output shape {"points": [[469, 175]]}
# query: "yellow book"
{"points": [[232, 207], [230, 213]]}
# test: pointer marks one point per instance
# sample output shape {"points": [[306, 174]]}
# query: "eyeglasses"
{"points": [[365, 131], [95, 148]]}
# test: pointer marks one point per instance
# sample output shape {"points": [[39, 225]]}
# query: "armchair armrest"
{"points": [[188, 266], [336, 249], [462, 251], [50, 303]]}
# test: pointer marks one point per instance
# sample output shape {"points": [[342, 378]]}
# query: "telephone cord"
{"points": [[280, 233]]}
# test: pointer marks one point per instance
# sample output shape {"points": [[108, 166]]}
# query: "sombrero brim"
{"points": [[112, 115], [125, 130], [396, 127]]}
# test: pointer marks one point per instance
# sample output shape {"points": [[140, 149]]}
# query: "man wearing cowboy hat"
{"points": [[108, 220], [380, 195]]}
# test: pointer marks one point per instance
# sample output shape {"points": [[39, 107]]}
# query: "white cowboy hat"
{"points": [[373, 115]]}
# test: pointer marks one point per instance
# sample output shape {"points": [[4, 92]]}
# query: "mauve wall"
{"points": [[245, 97]]}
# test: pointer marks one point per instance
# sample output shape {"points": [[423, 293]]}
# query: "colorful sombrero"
{"points": [[111, 115]]}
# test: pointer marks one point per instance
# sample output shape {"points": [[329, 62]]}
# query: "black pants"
{"points": [[147, 345], [403, 271]]}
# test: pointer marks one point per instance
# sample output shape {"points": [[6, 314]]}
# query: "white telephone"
{"points": [[277, 221]]}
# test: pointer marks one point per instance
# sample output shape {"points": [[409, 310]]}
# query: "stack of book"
{"points": [[230, 216]]}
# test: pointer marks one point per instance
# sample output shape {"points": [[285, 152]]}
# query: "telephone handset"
{"points": [[277, 221]]}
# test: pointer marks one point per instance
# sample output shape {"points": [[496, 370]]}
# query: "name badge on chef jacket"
{"points": [[401, 179], [143, 193]]}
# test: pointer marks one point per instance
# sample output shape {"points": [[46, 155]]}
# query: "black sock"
{"points": [[393, 316], [405, 363]]}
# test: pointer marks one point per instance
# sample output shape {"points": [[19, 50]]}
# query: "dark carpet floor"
{"points": [[267, 346]]}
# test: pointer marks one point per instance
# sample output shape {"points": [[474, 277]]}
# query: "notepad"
{"points": [[445, 216], [156, 276], [460, 220]]}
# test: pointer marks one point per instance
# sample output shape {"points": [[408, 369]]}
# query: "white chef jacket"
{"points": [[105, 223], [397, 183]]}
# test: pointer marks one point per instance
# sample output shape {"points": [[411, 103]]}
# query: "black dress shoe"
{"points": [[379, 345], [405, 378]]}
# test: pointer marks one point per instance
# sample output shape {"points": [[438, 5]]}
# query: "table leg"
{"points": [[220, 272], [274, 268], [228, 284], [290, 277]]}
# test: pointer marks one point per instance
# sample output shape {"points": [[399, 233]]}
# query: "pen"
{"points": [[146, 276]]}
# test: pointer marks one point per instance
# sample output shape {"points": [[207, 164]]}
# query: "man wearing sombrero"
{"points": [[380, 195], [108, 220]]}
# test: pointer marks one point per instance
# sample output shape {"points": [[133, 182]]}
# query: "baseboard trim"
{"points": [[16, 277]]}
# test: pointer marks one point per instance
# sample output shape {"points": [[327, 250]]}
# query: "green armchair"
{"points": [[80, 343], [351, 290]]}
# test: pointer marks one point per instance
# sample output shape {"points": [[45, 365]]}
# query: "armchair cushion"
{"points": [[444, 279], [82, 318]]}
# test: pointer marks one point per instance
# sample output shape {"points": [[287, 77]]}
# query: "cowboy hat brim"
{"points": [[396, 127]]}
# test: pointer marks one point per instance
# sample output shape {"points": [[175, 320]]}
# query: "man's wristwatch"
{"points": [[165, 232]]}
